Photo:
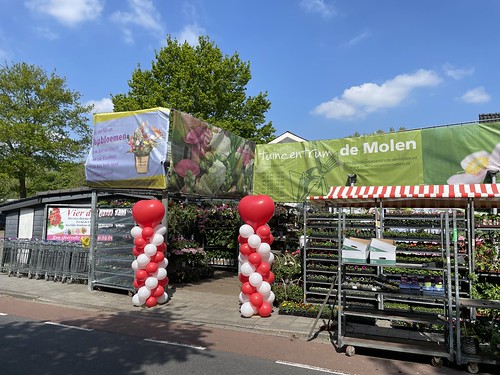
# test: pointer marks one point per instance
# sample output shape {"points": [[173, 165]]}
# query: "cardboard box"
{"points": [[355, 250], [382, 252]]}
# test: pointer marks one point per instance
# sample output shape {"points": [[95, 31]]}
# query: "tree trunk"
{"points": [[22, 187]]}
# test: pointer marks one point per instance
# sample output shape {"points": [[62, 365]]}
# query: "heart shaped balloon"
{"points": [[148, 213], [256, 210]]}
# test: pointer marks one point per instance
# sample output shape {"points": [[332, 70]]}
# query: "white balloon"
{"points": [[271, 298], [254, 241], [143, 294], [242, 258], [162, 299], [264, 288], [247, 269], [136, 231], [264, 248], [143, 260], [246, 231], [151, 282], [163, 263], [160, 229], [135, 265], [271, 258], [157, 239], [160, 273], [255, 279], [150, 249], [247, 309], [244, 297], [135, 300]]}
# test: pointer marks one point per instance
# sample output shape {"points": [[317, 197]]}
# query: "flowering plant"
{"points": [[141, 142]]}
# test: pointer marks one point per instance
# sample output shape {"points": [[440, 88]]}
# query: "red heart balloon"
{"points": [[148, 213], [256, 210]]}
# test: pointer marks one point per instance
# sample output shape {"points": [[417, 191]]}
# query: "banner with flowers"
{"points": [[68, 223], [209, 161], [129, 149]]}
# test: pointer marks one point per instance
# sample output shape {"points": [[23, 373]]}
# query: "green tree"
{"points": [[69, 175], [42, 123], [203, 82]]}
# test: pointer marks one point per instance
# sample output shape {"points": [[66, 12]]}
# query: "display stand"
{"points": [[446, 199]]}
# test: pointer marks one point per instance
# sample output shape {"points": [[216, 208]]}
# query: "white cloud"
{"points": [[69, 13], [103, 105], [358, 101], [46, 33], [142, 14], [477, 95], [190, 34], [457, 73], [318, 6], [358, 38]]}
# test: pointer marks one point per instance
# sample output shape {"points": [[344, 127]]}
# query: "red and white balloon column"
{"points": [[255, 257], [150, 263]]}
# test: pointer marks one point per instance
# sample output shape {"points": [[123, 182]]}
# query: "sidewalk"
{"points": [[212, 302]]}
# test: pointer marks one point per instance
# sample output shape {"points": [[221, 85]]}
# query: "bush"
{"points": [[287, 292]]}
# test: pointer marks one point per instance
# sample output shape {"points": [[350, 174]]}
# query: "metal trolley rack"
{"points": [[447, 199]]}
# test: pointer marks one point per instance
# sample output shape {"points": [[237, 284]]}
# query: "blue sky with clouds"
{"points": [[330, 67]]}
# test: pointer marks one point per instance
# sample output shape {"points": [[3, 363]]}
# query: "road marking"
{"points": [[66, 326], [293, 364], [3, 314], [177, 344]]}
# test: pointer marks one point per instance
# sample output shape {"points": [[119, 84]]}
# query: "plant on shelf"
{"points": [[303, 309], [487, 257], [187, 261], [287, 269]]}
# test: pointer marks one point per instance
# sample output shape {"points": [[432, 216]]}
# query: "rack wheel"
{"points": [[130, 293], [350, 351], [437, 361], [472, 368]]}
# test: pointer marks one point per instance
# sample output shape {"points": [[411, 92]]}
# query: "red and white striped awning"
{"points": [[435, 196]]}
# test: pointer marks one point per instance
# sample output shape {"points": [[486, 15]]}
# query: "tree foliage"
{"points": [[42, 124], [203, 82]]}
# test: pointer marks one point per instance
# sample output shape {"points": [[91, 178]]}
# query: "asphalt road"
{"points": [[38, 338]]}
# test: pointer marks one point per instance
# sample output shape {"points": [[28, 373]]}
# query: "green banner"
{"points": [[460, 154], [209, 161], [290, 172]]}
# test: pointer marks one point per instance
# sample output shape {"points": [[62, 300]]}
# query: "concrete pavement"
{"points": [[212, 302]]}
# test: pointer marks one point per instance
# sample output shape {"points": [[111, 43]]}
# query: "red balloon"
{"points": [[158, 257], [264, 268], [136, 252], [161, 247], [147, 232], [158, 291], [270, 240], [255, 258], [245, 249], [256, 299], [256, 210], [247, 288], [148, 213], [139, 243], [269, 278], [163, 282], [138, 284], [141, 275], [151, 267], [243, 278], [241, 239], [263, 231], [265, 309], [151, 302]]}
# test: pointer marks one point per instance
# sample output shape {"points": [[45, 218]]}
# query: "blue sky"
{"points": [[330, 68]]}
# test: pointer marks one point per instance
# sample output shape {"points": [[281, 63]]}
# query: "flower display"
{"points": [[208, 160], [141, 142]]}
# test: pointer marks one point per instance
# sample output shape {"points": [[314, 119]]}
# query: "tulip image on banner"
{"points": [[255, 257], [150, 263]]}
